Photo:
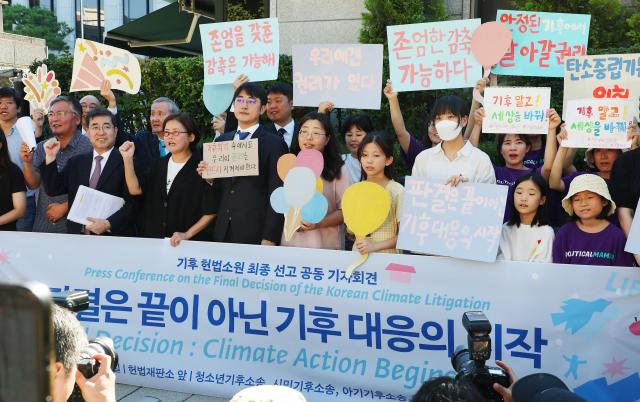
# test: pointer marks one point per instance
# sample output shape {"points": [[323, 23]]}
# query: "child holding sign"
{"points": [[527, 235], [590, 239], [453, 160], [376, 156], [316, 133]]}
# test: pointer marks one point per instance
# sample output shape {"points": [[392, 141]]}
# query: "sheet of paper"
{"points": [[93, 204], [25, 128], [231, 159]]}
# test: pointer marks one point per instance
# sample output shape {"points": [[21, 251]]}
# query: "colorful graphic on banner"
{"points": [[94, 62], [250, 47], [542, 42], [598, 123], [433, 55], [607, 76], [231, 159], [212, 318], [41, 88], [463, 221], [633, 241], [349, 75], [516, 110]]}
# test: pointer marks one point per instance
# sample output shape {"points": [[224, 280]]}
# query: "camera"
{"points": [[469, 363]]}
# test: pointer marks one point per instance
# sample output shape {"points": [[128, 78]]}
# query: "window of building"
{"points": [[134, 9], [90, 19]]}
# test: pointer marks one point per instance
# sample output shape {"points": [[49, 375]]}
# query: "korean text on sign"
{"points": [[607, 76], [598, 123], [542, 42], [516, 110], [231, 159], [433, 55], [463, 222], [348, 75], [249, 47]]}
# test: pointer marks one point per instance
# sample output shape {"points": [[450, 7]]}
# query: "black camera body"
{"points": [[469, 363]]}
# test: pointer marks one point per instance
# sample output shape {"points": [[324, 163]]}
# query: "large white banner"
{"points": [[212, 318]]}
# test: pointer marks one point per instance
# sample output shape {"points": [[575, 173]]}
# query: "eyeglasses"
{"points": [[59, 113], [311, 134], [174, 133], [104, 127], [249, 101]]}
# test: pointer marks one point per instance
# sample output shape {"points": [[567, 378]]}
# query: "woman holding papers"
{"points": [[13, 199], [175, 203]]}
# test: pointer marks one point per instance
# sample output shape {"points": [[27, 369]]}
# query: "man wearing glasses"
{"points": [[243, 211], [101, 169], [64, 119]]}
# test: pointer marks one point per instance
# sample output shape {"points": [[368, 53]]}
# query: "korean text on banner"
{"points": [[231, 158], [607, 76], [433, 55], [598, 123], [348, 75], [463, 221], [542, 42], [516, 110], [212, 318], [250, 47]]}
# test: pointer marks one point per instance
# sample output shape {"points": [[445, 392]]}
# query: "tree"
{"points": [[612, 24], [38, 23], [239, 10]]}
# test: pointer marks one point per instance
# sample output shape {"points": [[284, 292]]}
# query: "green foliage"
{"points": [[238, 10], [38, 23], [612, 24]]}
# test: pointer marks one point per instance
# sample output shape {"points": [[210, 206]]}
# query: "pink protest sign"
{"points": [[514, 110], [433, 55]]}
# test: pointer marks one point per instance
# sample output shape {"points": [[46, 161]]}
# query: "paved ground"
{"points": [[132, 393]]}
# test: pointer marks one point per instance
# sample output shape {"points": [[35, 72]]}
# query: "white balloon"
{"points": [[299, 186]]}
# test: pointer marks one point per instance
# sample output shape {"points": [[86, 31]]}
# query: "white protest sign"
{"points": [[231, 158], [463, 221], [349, 75], [598, 123], [516, 110]]}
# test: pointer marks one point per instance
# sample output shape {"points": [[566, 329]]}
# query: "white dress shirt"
{"points": [[470, 162], [250, 130], [288, 136]]}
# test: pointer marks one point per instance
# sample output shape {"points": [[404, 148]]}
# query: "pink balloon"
{"points": [[312, 159], [490, 42]]}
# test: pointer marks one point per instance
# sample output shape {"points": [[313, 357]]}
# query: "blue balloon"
{"points": [[217, 98], [316, 209], [278, 202]]}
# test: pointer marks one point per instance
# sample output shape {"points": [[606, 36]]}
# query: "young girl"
{"points": [[527, 235], [13, 195], [453, 160], [316, 133], [376, 156], [590, 239], [176, 203]]}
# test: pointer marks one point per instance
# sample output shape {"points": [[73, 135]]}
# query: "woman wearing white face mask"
{"points": [[454, 160]]}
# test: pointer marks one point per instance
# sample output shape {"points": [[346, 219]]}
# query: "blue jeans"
{"points": [[26, 224]]}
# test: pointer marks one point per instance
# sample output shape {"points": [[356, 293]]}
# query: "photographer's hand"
{"points": [[102, 386], [505, 392]]}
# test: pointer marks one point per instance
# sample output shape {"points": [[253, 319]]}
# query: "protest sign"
{"points": [[213, 318], [231, 158], [94, 62], [463, 221], [607, 76], [513, 110], [250, 47], [433, 55], [41, 88], [542, 42], [598, 123], [348, 75]]}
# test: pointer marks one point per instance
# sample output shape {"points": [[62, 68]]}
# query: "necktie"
{"points": [[163, 150], [282, 132], [243, 134], [95, 176]]}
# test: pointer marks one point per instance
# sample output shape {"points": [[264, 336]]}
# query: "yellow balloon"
{"points": [[319, 185], [365, 206]]}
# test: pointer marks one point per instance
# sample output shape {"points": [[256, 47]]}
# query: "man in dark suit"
{"points": [[243, 210], [101, 169]]}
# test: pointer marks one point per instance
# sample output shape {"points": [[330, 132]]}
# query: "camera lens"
{"points": [[460, 358]]}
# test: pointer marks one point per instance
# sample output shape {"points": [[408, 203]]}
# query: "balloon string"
{"points": [[476, 94], [357, 263]]}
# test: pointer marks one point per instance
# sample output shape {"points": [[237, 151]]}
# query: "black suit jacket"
{"points": [[147, 151], [272, 127], [242, 204], [77, 173]]}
